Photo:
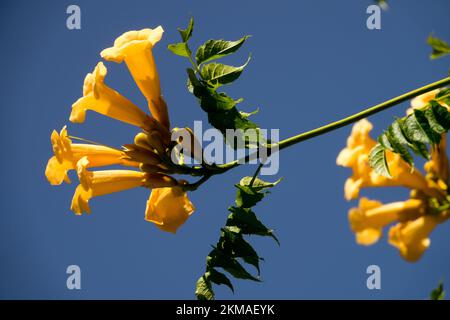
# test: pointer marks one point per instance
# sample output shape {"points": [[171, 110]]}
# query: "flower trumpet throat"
{"points": [[368, 220], [99, 183], [67, 155], [411, 238], [356, 157], [135, 48], [168, 206], [414, 218], [98, 97]]}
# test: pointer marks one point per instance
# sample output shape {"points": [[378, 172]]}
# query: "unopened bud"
{"points": [[150, 141], [141, 140], [142, 155], [155, 140]]}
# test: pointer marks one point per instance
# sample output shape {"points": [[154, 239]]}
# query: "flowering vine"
{"points": [[154, 158]]}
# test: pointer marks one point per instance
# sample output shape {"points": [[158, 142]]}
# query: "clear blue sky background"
{"points": [[313, 62]]}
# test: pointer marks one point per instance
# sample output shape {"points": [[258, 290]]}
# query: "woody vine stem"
{"points": [[218, 169]]}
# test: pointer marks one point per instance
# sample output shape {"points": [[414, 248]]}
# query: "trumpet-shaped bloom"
{"points": [[135, 48], [356, 157], [369, 219], [168, 208], [359, 142], [67, 154], [412, 237], [438, 165], [98, 97], [98, 183], [417, 216], [422, 100]]}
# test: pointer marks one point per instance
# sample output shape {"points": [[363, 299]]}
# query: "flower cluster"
{"points": [[416, 217], [168, 205]]}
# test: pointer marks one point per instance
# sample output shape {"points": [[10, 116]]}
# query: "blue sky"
{"points": [[312, 62]]}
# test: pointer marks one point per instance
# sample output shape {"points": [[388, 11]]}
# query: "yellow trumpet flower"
{"points": [[168, 208], [356, 157], [412, 237], [422, 100], [417, 216], [135, 48], [369, 219], [98, 183], [67, 154], [98, 97], [438, 165]]}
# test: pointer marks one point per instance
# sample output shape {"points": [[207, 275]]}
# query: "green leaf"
{"points": [[217, 74], [440, 47], [433, 136], [443, 96], [424, 127], [247, 222], [180, 49], [248, 114], [215, 49], [232, 247], [421, 149], [222, 112], [212, 101], [221, 109], [434, 123], [438, 293], [247, 197], [235, 245], [233, 119], [398, 142], [218, 258], [384, 141], [441, 114], [219, 278], [258, 183], [187, 33], [377, 160], [414, 131], [203, 289], [230, 119]]}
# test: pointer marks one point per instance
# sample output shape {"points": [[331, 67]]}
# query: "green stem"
{"points": [[343, 122], [361, 115], [256, 174], [194, 64], [194, 186]]}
